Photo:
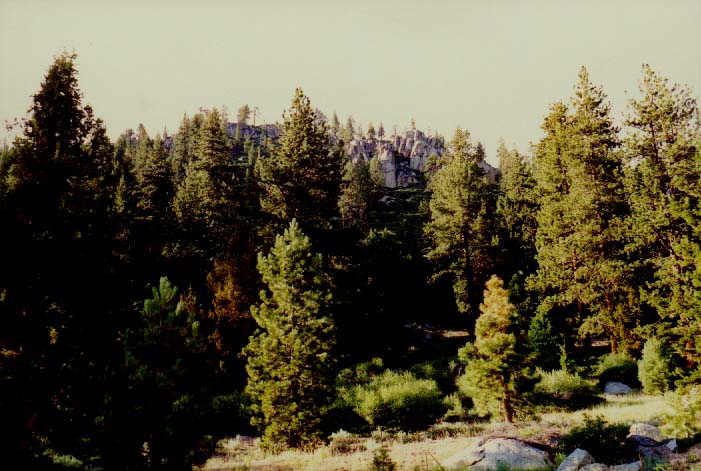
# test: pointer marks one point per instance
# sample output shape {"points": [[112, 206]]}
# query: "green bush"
{"points": [[381, 461], [398, 401], [438, 370], [619, 367], [655, 369], [685, 420], [605, 441], [565, 390]]}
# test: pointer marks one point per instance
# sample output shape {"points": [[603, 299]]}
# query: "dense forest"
{"points": [[163, 291]]}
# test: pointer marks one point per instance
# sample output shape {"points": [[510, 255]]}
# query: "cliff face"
{"points": [[403, 157]]}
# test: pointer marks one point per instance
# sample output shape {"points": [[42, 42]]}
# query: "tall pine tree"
{"points": [[290, 360]]}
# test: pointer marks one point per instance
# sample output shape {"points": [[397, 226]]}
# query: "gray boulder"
{"points": [[646, 430], [672, 445], [576, 460], [614, 387], [595, 467], [493, 453], [627, 467]]}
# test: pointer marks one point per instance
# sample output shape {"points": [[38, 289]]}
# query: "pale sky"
{"points": [[492, 67]]}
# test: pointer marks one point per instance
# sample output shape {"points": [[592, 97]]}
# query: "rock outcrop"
{"points": [[646, 430], [614, 387], [404, 157], [495, 453], [576, 460]]}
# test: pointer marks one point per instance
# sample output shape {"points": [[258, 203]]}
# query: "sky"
{"points": [[492, 67]]}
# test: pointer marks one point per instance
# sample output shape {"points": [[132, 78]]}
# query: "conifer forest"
{"points": [[165, 290]]}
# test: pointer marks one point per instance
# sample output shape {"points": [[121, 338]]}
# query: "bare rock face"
{"points": [[595, 467], [385, 155], [646, 430], [576, 460], [497, 453], [614, 387], [404, 156]]}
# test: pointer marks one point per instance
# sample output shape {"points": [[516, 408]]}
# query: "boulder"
{"points": [[494, 453], [614, 387], [576, 460], [646, 447], [672, 445], [646, 430], [595, 467], [626, 467]]}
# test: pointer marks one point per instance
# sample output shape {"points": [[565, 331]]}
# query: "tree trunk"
{"points": [[506, 403]]}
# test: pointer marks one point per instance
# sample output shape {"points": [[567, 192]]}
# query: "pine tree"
{"points": [[494, 369], [302, 178], [371, 131], [356, 195], [335, 126], [56, 217], [663, 179], [243, 115], [582, 206], [381, 131], [204, 203], [289, 358], [460, 228], [517, 206]]}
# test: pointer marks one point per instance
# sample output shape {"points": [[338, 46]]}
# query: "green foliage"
{"points": [[302, 178], [606, 441], [381, 461], [494, 370], [397, 401], [356, 196], [290, 355], [563, 389], [685, 420], [581, 261], [543, 341], [617, 367], [664, 183], [656, 370], [460, 227]]}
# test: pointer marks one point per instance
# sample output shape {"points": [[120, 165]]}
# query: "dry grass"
{"points": [[236, 455], [245, 454]]}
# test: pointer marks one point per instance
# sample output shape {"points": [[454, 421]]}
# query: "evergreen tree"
{"points": [[356, 195], [289, 358], [655, 368], [302, 178], [244, 114], [664, 183], [517, 206], [381, 131], [494, 370], [204, 203], [335, 126], [461, 226], [371, 131], [164, 359], [56, 345], [579, 238]]}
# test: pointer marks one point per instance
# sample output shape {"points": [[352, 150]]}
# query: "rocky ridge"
{"points": [[403, 157]]}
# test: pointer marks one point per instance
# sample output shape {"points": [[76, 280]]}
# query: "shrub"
{"points": [[438, 370], [458, 408], [399, 401], [566, 390], [685, 420], [618, 367], [381, 461], [343, 442], [606, 441], [655, 369]]}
